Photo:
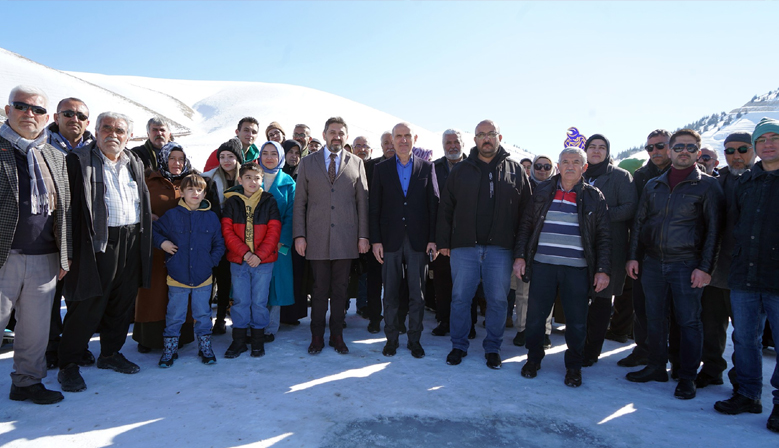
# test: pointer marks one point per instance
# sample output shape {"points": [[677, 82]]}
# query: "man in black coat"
{"points": [[158, 131], [403, 209], [112, 249], [679, 233]]}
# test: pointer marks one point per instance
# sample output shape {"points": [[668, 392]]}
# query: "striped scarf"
{"points": [[43, 193]]}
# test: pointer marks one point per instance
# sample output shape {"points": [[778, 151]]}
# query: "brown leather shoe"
{"points": [[337, 342], [317, 344]]}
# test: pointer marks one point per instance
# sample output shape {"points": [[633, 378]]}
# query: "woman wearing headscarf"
{"points": [[616, 185], [543, 168], [293, 156], [151, 304], [282, 187]]}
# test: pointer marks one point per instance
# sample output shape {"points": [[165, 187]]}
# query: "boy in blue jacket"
{"points": [[191, 235]]}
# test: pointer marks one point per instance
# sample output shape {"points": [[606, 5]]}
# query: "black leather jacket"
{"points": [[594, 226], [681, 225]]}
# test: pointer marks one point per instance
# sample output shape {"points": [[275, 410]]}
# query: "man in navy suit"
{"points": [[403, 207]]}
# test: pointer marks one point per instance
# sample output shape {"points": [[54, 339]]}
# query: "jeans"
{"points": [[251, 287], [574, 290], [178, 299], [750, 309], [492, 266], [664, 283]]}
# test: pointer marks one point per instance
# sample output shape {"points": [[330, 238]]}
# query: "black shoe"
{"points": [[390, 348], [257, 342], [573, 377], [363, 312], [270, 338], [704, 379], [589, 362], [621, 338], [547, 342], [317, 344], [143, 349], [685, 390], [52, 359], [472, 333], [37, 393], [374, 326], [674, 371], [773, 420], [70, 379], [87, 359], [402, 328], [118, 363], [337, 342], [519, 339], [493, 360], [738, 404], [456, 356], [416, 350], [632, 360], [442, 329], [219, 326], [530, 369], [238, 345], [648, 373]]}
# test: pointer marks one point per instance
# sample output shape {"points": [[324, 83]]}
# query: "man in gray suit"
{"points": [[330, 228], [35, 236]]}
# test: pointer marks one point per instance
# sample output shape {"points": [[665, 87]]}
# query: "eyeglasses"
{"points": [[361, 146], [298, 135], [71, 114], [482, 135], [761, 140], [544, 167], [650, 148], [37, 110], [690, 147], [704, 158], [741, 150]]}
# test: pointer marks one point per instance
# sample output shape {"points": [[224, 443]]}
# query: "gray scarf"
{"points": [[39, 200]]}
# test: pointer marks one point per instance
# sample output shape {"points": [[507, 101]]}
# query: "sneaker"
{"points": [[118, 363], [374, 326], [493, 361], [390, 348], [87, 359], [143, 349], [416, 350], [685, 390], [633, 360], [70, 379], [648, 373], [530, 369], [37, 393], [573, 377], [547, 342], [455, 356], [738, 404], [773, 420], [519, 339], [442, 329], [704, 379]]}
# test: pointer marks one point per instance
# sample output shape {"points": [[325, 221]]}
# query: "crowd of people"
{"points": [[668, 254]]}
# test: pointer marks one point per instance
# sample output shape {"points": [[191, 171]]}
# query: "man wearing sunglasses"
{"points": [[679, 233], [708, 158], [35, 236], [658, 163], [754, 285], [69, 129]]}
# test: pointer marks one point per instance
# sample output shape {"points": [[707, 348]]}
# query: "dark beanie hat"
{"points": [[274, 125], [289, 144], [598, 137], [740, 136], [234, 146]]}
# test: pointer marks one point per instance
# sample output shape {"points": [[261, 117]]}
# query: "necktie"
{"points": [[331, 170]]}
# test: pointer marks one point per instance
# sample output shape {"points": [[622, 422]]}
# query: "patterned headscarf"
{"points": [[162, 161], [279, 151]]}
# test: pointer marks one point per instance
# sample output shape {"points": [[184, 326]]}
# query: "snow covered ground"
{"points": [[289, 398]]}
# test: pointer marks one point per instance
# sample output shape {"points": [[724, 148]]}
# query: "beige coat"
{"points": [[332, 218]]}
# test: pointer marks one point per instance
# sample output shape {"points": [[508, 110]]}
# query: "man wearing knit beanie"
{"points": [[739, 153], [275, 133], [754, 285]]}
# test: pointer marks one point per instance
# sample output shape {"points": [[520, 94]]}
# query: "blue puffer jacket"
{"points": [[198, 236]]}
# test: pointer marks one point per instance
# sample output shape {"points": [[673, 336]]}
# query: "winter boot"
{"points": [[238, 345], [258, 342], [170, 347], [205, 351]]}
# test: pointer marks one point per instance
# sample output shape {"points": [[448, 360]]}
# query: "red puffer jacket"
{"points": [[250, 224]]}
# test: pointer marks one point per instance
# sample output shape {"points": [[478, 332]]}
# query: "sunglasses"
{"points": [[544, 167], [71, 114], [704, 158], [24, 107], [650, 148], [741, 150], [690, 147]]}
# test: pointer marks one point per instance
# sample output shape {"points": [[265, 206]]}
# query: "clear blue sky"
{"points": [[617, 68]]}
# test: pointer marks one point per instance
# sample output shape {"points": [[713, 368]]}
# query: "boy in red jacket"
{"points": [[251, 226]]}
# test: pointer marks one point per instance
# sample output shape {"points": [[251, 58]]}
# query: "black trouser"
{"points": [[299, 309], [331, 279], [374, 293], [410, 265], [639, 319], [597, 324], [223, 285], [119, 271], [55, 326], [715, 314], [622, 316]]}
